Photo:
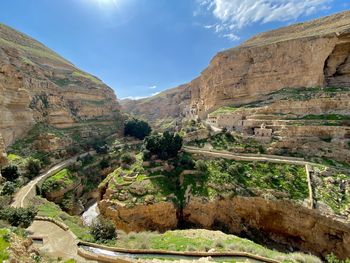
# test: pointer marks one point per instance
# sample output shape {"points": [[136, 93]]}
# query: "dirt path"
{"points": [[244, 157]]}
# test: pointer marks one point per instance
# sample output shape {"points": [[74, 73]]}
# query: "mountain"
{"points": [[162, 110], [40, 90]]}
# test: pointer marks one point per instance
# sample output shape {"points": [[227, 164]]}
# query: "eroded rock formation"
{"points": [[39, 86]]}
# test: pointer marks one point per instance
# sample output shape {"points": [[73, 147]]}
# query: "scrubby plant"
{"points": [[127, 158], [103, 230], [137, 128], [10, 173], [201, 166], [19, 217], [8, 188], [33, 167]]}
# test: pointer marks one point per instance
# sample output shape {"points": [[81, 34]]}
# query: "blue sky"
{"points": [[140, 47]]}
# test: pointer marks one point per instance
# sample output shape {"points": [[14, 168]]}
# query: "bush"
{"points": [[103, 229], [104, 164], [8, 188], [101, 149], [33, 168], [137, 128], [127, 158], [10, 173], [201, 166], [19, 217], [146, 155], [165, 146]]}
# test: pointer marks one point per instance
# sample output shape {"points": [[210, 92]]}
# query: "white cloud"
{"points": [[153, 87], [155, 93], [233, 15]]}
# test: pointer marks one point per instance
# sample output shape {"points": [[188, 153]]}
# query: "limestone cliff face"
{"points": [[39, 86], [311, 54], [160, 216], [280, 221], [167, 105]]}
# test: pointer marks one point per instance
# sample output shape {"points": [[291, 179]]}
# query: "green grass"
{"points": [[289, 180], [4, 244], [332, 117], [60, 180], [330, 192], [203, 240], [50, 209], [80, 74], [224, 110]]}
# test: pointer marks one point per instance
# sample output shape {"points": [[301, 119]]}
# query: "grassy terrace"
{"points": [[50, 209], [223, 110], [4, 244], [202, 240], [60, 180]]}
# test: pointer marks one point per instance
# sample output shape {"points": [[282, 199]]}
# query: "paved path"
{"points": [[28, 191], [57, 242]]}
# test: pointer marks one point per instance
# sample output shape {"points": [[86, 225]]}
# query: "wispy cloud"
{"points": [[233, 15], [153, 87]]}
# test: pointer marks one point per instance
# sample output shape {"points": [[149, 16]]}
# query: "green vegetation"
{"points": [[137, 128], [203, 240], [60, 180], [224, 110], [22, 217], [332, 191], [4, 244], [103, 230], [164, 146], [331, 258], [10, 173], [81, 74], [230, 142], [282, 179], [50, 209], [334, 117]]}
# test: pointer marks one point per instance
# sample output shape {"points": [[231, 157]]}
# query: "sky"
{"points": [[141, 47]]}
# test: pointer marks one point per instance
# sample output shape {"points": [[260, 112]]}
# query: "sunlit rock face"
{"points": [[39, 86], [310, 54]]}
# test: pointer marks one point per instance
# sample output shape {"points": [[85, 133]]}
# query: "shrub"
{"points": [[101, 149], [103, 229], [10, 173], [104, 164], [33, 168], [127, 158], [8, 188], [146, 155], [19, 217], [137, 128], [201, 166]]}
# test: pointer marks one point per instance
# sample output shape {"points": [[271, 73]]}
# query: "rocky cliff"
{"points": [[160, 110], [39, 86], [308, 54]]}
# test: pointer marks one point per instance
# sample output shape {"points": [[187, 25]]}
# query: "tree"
{"points": [[33, 168], [103, 229], [8, 188], [10, 173], [137, 128], [19, 217], [165, 146]]}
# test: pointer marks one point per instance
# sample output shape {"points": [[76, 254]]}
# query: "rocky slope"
{"points": [[161, 110], [39, 86], [309, 54]]}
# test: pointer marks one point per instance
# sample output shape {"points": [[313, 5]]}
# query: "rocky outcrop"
{"points": [[39, 86], [311, 54], [160, 216], [160, 109], [280, 221]]}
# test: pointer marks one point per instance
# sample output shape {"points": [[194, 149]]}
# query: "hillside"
{"points": [[162, 110], [44, 94]]}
